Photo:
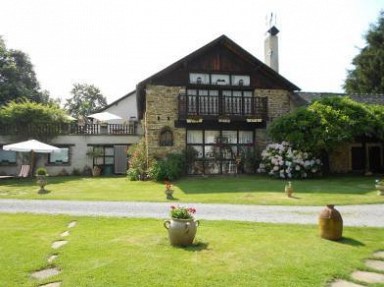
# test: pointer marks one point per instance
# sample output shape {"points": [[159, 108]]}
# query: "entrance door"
{"points": [[374, 153], [357, 158]]}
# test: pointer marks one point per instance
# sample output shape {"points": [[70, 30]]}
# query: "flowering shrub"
{"points": [[281, 160], [182, 212]]}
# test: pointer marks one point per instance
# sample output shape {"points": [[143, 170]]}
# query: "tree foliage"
{"points": [[27, 119], [328, 122], [86, 99], [17, 77], [368, 73]]}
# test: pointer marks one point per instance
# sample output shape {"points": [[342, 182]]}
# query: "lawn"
{"points": [[339, 190], [135, 252]]}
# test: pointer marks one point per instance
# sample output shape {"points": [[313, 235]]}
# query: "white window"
{"points": [[59, 157], [199, 78], [238, 80], [7, 156], [220, 79]]}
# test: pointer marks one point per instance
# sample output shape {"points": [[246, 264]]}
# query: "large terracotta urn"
{"points": [[330, 223], [181, 232]]}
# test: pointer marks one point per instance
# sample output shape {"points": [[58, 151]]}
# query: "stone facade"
{"points": [[161, 112], [279, 104]]}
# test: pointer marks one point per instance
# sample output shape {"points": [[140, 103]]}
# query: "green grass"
{"points": [[240, 190], [136, 252]]}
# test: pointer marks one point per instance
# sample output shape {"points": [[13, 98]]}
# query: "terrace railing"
{"points": [[213, 106], [71, 129]]}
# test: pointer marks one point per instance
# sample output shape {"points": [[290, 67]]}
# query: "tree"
{"points": [[327, 123], [87, 99], [368, 73], [17, 77], [27, 119]]}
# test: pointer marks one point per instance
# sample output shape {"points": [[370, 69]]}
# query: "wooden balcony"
{"points": [[70, 129], [216, 107]]}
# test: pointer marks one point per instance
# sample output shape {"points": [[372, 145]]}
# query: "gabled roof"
{"points": [[130, 94], [226, 43]]}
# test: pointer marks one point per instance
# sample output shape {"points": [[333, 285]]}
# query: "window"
{"points": [[219, 79], [7, 157], [166, 137], [59, 157], [238, 80], [196, 78], [216, 151]]}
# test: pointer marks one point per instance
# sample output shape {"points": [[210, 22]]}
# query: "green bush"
{"points": [[41, 171], [172, 167]]}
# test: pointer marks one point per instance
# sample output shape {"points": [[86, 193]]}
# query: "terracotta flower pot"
{"points": [[181, 232], [330, 223]]}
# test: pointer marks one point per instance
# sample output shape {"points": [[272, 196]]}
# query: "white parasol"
{"points": [[31, 146], [105, 116]]}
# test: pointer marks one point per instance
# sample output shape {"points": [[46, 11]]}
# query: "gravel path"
{"points": [[353, 215]]}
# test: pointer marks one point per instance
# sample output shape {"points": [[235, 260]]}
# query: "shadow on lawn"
{"points": [[350, 241], [198, 246]]}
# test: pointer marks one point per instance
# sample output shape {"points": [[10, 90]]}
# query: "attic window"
{"points": [[199, 78], [218, 79], [240, 80]]}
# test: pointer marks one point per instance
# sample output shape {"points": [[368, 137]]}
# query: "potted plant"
{"points": [[182, 227], [41, 174], [168, 190], [379, 185], [195, 119], [224, 119]]}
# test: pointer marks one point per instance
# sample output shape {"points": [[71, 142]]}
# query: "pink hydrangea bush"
{"points": [[281, 160]]}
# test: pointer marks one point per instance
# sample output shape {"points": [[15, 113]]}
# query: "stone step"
{"points": [[45, 273], [53, 284], [379, 254], [375, 264], [58, 244], [343, 283], [368, 277]]}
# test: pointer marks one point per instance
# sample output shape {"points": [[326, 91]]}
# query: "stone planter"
{"points": [[380, 189], [330, 223], [42, 182], [288, 189], [181, 232], [169, 193]]}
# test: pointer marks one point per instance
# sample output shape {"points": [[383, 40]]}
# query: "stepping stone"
{"points": [[52, 258], [72, 224], [64, 234], [45, 273], [343, 283], [379, 254], [53, 284], [368, 277], [58, 244], [375, 264]]}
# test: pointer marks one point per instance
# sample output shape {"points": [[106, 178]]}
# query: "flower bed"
{"points": [[281, 160]]}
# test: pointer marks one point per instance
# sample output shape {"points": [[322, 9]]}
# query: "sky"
{"points": [[115, 44]]}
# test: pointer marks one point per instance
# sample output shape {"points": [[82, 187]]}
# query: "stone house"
{"points": [[215, 104]]}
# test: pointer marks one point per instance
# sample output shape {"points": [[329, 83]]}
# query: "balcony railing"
{"points": [[213, 106], [70, 129]]}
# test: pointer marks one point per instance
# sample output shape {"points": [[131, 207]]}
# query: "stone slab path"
{"points": [[366, 277], [353, 215], [53, 270]]}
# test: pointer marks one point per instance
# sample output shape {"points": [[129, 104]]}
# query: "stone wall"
{"points": [[279, 104], [161, 112]]}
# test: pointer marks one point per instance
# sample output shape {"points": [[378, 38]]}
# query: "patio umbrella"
{"points": [[31, 146], [105, 116]]}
